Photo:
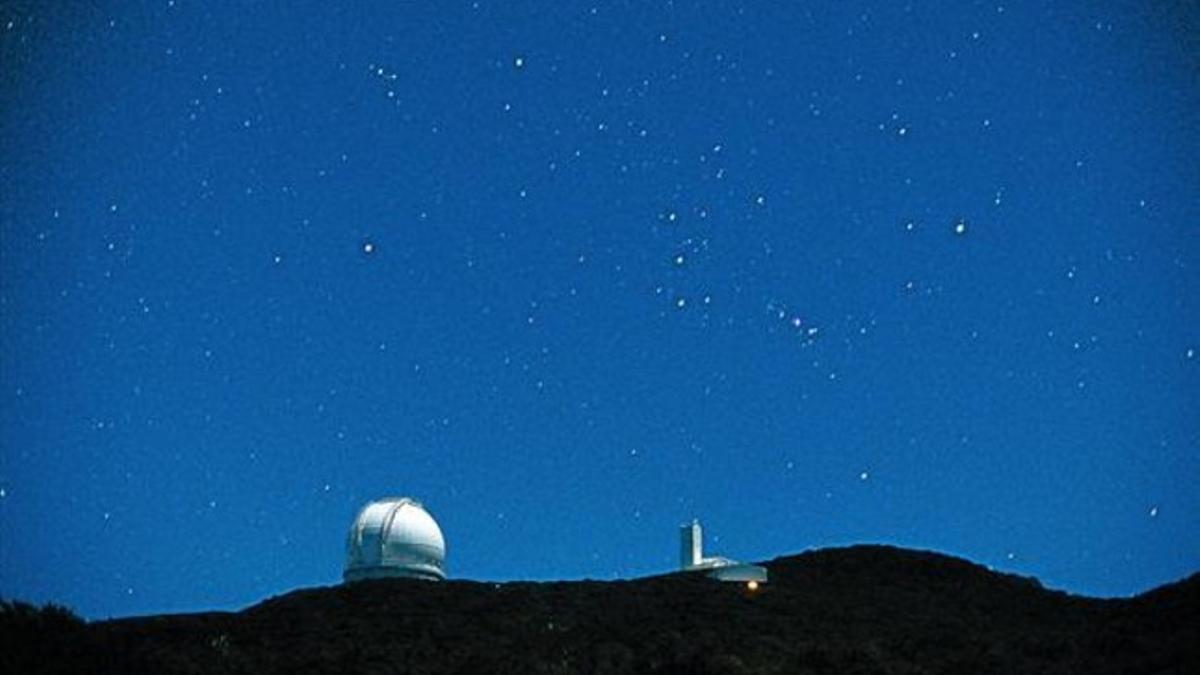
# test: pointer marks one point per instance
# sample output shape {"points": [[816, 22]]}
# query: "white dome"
{"points": [[395, 537]]}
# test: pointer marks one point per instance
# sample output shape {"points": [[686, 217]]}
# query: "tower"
{"points": [[691, 545]]}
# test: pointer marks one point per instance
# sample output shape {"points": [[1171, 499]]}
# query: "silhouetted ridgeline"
{"points": [[865, 609]]}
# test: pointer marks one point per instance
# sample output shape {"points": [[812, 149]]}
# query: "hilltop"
{"points": [[863, 609]]}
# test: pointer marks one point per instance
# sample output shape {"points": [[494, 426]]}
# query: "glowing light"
{"points": [[752, 585]]}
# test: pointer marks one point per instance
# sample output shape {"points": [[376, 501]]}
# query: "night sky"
{"points": [[574, 274]]}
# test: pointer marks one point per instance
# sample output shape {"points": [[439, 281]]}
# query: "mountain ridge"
{"points": [[858, 609]]}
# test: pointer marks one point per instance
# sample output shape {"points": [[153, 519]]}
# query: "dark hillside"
{"points": [[866, 609]]}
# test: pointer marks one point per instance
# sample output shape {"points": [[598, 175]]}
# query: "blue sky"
{"points": [[572, 274]]}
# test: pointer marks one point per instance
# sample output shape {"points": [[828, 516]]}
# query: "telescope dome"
{"points": [[395, 537]]}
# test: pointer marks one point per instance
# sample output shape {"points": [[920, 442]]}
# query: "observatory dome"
{"points": [[395, 537]]}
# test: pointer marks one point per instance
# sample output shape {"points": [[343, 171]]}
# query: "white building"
{"points": [[691, 558], [395, 537]]}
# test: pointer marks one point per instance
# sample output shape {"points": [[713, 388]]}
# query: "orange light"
{"points": [[752, 585]]}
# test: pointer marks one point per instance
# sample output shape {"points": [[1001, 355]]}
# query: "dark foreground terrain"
{"points": [[866, 609]]}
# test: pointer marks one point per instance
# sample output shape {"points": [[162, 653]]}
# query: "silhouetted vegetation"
{"points": [[45, 639], [866, 609]]}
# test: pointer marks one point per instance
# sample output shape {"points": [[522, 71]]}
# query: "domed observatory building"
{"points": [[395, 537]]}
